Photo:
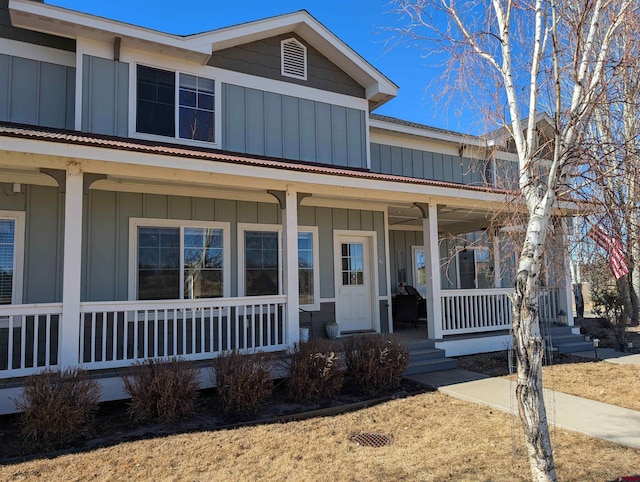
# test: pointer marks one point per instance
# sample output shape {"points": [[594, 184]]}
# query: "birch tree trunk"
{"points": [[520, 48]]}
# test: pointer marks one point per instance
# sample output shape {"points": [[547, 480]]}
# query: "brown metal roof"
{"points": [[167, 149]]}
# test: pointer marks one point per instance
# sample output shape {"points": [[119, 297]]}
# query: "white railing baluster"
{"points": [[23, 342], [47, 340], [36, 340]]}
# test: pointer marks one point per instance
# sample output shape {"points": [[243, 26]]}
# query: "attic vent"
{"points": [[294, 59]]}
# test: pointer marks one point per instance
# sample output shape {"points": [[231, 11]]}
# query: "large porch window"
{"points": [[178, 259], [260, 267]]}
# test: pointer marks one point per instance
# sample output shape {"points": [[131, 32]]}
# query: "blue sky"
{"points": [[363, 25]]}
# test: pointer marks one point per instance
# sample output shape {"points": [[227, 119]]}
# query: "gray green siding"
{"points": [[262, 59], [37, 93], [105, 96], [44, 231], [29, 36], [428, 165], [106, 237], [281, 126]]}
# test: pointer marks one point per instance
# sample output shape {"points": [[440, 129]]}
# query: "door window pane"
{"points": [[352, 264]]}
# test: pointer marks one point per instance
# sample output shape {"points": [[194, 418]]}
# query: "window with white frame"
{"points": [[11, 256], [175, 104], [260, 266], [475, 269], [178, 259]]}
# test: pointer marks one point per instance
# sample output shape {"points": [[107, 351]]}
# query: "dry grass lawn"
{"points": [[602, 381], [436, 438]]}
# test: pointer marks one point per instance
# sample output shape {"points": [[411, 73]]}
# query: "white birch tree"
{"points": [[530, 56]]}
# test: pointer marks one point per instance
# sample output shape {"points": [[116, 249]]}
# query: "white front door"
{"points": [[354, 300]]}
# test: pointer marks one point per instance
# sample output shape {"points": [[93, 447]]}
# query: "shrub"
{"points": [[375, 362], [243, 382], [162, 389], [314, 370], [57, 407]]}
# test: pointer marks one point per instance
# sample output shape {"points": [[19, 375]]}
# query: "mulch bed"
{"points": [[113, 424]]}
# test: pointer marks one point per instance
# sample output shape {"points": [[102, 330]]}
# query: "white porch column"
{"points": [[565, 293], [432, 267], [71, 268], [290, 236]]}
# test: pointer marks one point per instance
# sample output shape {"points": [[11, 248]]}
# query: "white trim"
{"points": [[431, 134], [37, 52], [242, 227], [133, 107], [373, 266], [387, 260], [134, 223], [215, 172]]}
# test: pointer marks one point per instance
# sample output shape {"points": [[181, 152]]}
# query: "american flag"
{"points": [[613, 247]]}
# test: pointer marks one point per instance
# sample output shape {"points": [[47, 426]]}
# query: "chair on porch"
{"points": [[410, 308]]}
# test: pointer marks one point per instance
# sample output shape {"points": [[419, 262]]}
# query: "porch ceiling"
{"points": [[451, 219]]}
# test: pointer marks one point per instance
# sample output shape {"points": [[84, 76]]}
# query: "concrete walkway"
{"points": [[595, 419]]}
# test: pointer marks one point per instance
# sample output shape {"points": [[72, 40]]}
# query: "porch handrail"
{"points": [[31, 309], [134, 305]]}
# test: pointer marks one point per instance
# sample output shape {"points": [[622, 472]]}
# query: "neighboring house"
{"points": [[168, 195]]}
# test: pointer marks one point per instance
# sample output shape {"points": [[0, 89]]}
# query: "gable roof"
{"points": [[199, 47]]}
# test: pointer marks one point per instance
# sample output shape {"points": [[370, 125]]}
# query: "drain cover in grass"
{"points": [[367, 439]]}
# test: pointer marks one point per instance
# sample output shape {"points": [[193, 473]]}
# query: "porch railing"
{"points": [[115, 334], [473, 311], [548, 305], [29, 338]]}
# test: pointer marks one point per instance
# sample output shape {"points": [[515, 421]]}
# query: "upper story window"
{"points": [[175, 104], [293, 59]]}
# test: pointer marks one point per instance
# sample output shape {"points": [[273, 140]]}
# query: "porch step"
{"points": [[564, 340], [424, 358]]}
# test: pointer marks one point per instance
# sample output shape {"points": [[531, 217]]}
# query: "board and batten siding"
{"points": [[106, 237], [105, 96], [280, 126], [420, 164], [263, 59], [37, 93], [44, 233]]}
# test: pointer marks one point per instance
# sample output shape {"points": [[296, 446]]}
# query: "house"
{"points": [[184, 195]]}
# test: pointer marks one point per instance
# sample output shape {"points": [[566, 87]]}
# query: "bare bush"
{"points": [[57, 407], [162, 389], [314, 370], [375, 362], [243, 382]]}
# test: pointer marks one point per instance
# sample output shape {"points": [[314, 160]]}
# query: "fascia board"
{"points": [[59, 21], [386, 189], [458, 139]]}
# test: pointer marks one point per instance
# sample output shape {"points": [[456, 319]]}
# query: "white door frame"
{"points": [[339, 234]]}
